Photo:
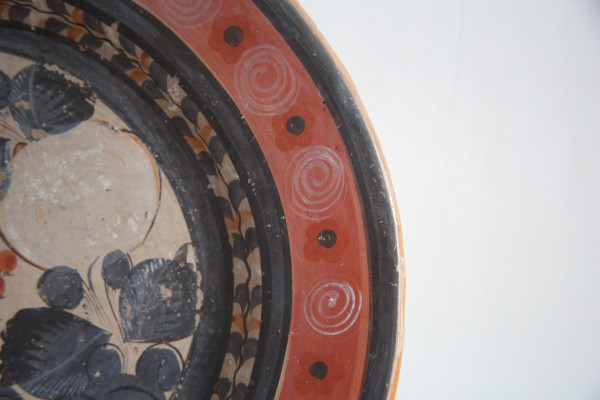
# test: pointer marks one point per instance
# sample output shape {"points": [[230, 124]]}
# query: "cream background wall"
{"points": [[489, 116]]}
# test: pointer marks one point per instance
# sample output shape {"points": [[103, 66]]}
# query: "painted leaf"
{"points": [[45, 351], [44, 101], [158, 302], [9, 394], [4, 89], [5, 169]]}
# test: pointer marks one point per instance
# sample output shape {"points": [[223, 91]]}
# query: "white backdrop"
{"points": [[489, 116]]}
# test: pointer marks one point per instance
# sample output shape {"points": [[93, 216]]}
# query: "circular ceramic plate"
{"points": [[192, 206]]}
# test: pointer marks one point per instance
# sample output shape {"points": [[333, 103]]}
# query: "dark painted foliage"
{"points": [[53, 354], [158, 301], [42, 101], [9, 394], [44, 350], [45, 100], [4, 90], [5, 169], [131, 393], [103, 366], [122, 387], [116, 268], [61, 287], [158, 369]]}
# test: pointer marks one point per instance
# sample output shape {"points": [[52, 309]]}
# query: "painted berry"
{"points": [[158, 367], [103, 365], [61, 287], [8, 261], [116, 267]]}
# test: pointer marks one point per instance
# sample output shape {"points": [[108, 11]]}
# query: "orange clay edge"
{"points": [[401, 266]]}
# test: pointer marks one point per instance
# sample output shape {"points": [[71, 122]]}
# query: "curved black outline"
{"points": [[368, 170], [371, 177], [207, 232], [246, 155], [212, 248]]}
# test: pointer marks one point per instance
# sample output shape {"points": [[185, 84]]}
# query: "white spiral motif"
{"points": [[316, 182], [265, 81], [332, 307], [190, 14]]}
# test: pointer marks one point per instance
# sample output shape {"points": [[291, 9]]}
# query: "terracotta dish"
{"points": [[192, 206]]}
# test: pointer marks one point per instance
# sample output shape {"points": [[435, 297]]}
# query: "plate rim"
{"points": [[334, 83]]}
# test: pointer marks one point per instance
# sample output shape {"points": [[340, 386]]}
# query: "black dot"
{"points": [[295, 125], [327, 238], [233, 36], [318, 370], [61, 287]]}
